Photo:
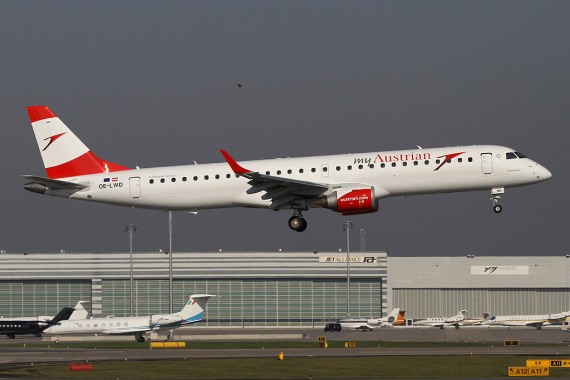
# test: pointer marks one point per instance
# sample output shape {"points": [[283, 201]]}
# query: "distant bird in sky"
{"points": [[239, 84]]}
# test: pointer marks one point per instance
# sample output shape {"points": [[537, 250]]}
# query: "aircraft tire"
{"points": [[497, 209], [297, 223]]}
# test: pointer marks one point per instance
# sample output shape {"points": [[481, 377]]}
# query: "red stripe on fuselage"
{"points": [[87, 163], [37, 113]]}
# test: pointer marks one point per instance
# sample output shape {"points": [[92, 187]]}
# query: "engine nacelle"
{"points": [[349, 201]]}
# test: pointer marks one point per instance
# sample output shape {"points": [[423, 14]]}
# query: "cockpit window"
{"points": [[511, 156], [520, 155]]}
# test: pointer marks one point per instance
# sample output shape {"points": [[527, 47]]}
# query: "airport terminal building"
{"points": [[283, 289]]}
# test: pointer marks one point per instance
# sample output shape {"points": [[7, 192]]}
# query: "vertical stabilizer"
{"points": [[79, 311], [194, 309], [63, 154], [63, 315]]}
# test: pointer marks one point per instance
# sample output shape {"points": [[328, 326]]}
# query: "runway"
{"points": [[556, 344]]}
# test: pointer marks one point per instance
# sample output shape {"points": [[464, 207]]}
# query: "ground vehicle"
{"points": [[333, 327]]}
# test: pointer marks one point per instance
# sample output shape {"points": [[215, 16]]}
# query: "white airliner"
{"points": [[191, 313], [348, 184], [395, 318], [442, 322], [536, 321]]}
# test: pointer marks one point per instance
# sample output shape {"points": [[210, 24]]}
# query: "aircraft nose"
{"points": [[542, 173]]}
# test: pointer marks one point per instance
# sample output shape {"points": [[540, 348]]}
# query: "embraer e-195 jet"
{"points": [[349, 184]]}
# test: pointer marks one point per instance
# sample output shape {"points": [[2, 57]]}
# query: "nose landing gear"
{"points": [[297, 222], [495, 199]]}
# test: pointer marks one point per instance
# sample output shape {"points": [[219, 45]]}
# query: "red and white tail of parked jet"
{"points": [[347, 183]]}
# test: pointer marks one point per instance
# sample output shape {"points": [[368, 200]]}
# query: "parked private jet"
{"points": [[349, 184], [36, 325], [536, 321], [137, 326], [395, 318], [442, 322]]}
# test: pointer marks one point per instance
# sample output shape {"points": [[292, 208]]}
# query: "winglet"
{"points": [[237, 168]]}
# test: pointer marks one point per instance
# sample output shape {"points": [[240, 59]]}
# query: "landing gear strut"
{"points": [[297, 222], [495, 198]]}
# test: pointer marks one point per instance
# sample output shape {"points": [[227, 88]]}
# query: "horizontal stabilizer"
{"points": [[41, 184]]}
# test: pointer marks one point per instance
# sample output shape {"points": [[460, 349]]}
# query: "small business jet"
{"points": [[456, 321], [349, 184], [536, 321], [36, 325], [395, 318], [137, 326], [475, 321]]}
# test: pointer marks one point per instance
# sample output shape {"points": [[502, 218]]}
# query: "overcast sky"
{"points": [[153, 83]]}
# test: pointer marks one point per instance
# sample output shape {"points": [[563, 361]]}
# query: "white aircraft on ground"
{"points": [[191, 313], [536, 321], [349, 183], [442, 322], [395, 318], [475, 321]]}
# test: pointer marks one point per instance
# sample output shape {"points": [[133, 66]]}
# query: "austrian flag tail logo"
{"points": [[52, 139]]}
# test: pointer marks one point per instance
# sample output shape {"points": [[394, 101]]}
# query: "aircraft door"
{"points": [[325, 170], [135, 187], [487, 163]]}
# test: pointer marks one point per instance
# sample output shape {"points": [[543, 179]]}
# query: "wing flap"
{"points": [[281, 191]]}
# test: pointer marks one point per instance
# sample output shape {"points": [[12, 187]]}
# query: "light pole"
{"points": [[130, 228], [347, 226], [170, 261]]}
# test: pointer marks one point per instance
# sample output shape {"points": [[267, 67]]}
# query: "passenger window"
{"points": [[470, 159], [460, 160], [206, 177], [162, 180], [415, 163], [151, 181], [437, 161], [289, 171], [371, 166], [301, 170], [426, 162], [313, 170], [404, 163], [338, 168], [228, 176], [184, 179], [382, 165], [349, 167], [393, 164], [217, 176], [360, 166], [195, 178], [278, 172], [173, 179]]}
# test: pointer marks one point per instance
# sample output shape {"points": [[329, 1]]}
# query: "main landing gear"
{"points": [[297, 222], [495, 198]]}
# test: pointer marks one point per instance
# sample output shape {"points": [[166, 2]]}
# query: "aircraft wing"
{"points": [[52, 184], [127, 332], [281, 191]]}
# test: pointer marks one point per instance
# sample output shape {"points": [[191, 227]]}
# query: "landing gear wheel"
{"points": [[297, 223], [140, 339], [497, 208]]}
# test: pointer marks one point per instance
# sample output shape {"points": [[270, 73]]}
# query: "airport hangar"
{"points": [[284, 289]]}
